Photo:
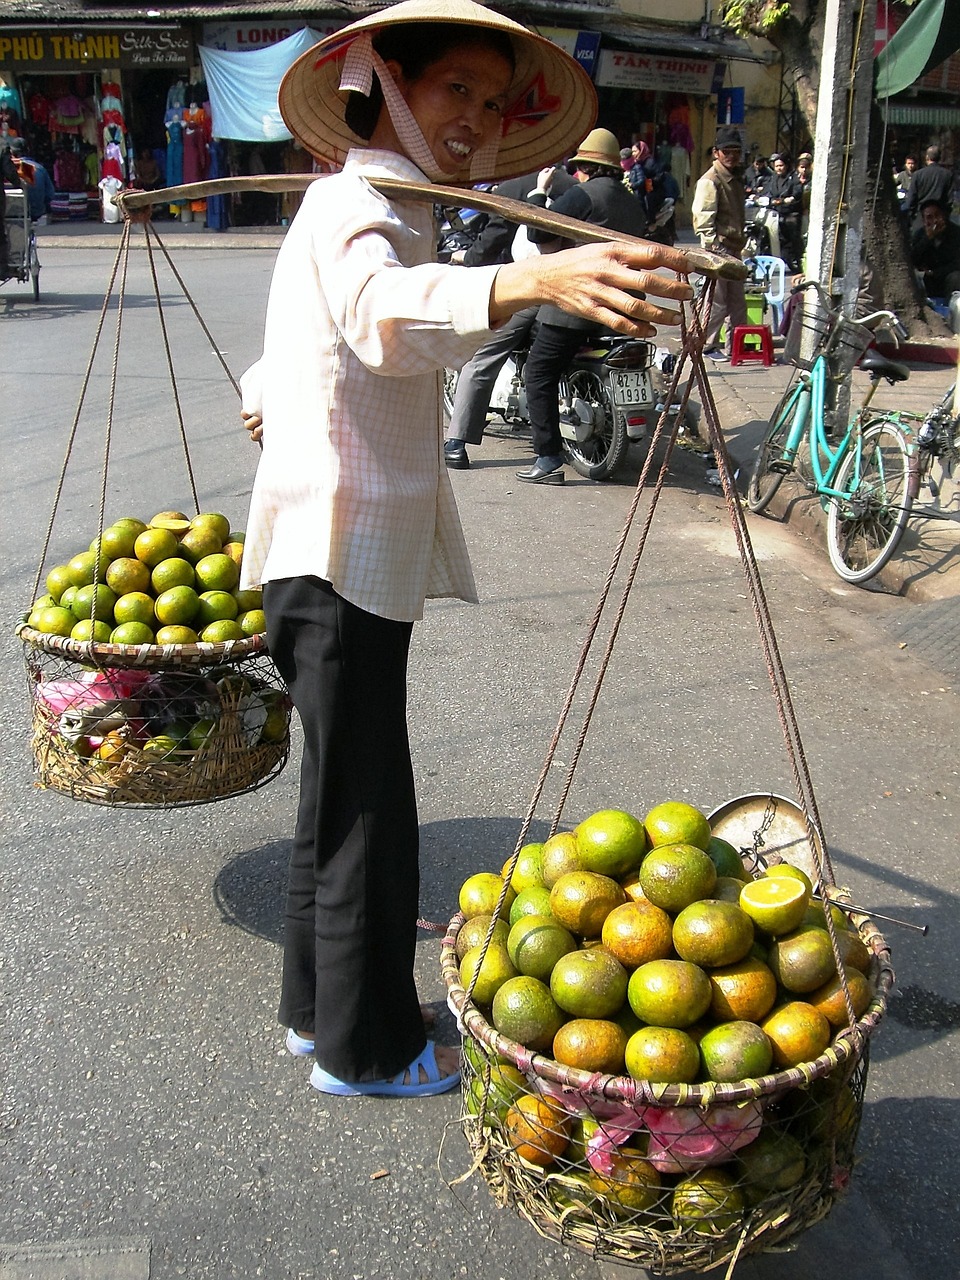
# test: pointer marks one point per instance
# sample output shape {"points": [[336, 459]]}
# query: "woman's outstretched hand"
{"points": [[599, 282]]}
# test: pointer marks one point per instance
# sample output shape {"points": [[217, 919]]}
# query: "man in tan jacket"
{"points": [[718, 219]]}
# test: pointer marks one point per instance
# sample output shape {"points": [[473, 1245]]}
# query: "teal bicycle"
{"points": [[868, 478]]}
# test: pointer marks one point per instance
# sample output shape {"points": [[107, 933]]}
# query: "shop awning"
{"points": [[928, 37], [243, 87], [924, 114]]}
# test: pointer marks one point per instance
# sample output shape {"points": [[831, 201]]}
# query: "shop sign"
{"points": [[80, 48], [666, 72], [236, 37]]}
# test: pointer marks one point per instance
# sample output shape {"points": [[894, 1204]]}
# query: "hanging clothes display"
{"points": [[218, 207]]}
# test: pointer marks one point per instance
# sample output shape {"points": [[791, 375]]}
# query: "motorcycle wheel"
{"points": [[598, 457], [450, 379]]}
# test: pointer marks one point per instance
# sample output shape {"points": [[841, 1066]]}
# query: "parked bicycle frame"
{"points": [[868, 479]]}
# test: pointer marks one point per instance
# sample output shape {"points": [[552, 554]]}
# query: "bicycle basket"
{"points": [[849, 341], [806, 335]]}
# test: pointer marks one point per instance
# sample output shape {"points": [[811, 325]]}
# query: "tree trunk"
{"points": [[887, 243]]}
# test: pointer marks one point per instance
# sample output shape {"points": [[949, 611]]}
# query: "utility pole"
{"points": [[838, 195]]}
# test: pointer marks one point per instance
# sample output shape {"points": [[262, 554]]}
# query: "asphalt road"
{"points": [[151, 1122]]}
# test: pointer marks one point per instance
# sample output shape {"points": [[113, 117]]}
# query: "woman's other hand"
{"points": [[254, 424], [599, 282]]}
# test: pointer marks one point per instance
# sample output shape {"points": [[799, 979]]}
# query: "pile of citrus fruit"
{"points": [[645, 949], [169, 580]]}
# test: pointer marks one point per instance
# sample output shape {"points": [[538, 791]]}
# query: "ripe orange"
{"points": [[132, 633], [853, 950], [592, 1044], [676, 822], [218, 524], [632, 887], [172, 572], [743, 991], [538, 1130], [712, 933], [57, 581], [87, 629], [707, 1203], [473, 931], [589, 984], [216, 606], [528, 873], [637, 932], [219, 632], [534, 901], [233, 549], [128, 574], [674, 875], [154, 545], [665, 1055], [536, 943], [829, 998], [56, 621], [113, 747], [135, 606], [561, 854], [490, 975], [803, 960], [176, 607], [217, 573], [197, 543], [611, 842], [253, 622], [735, 1051], [775, 904], [177, 635], [94, 602], [479, 894], [726, 859], [525, 1011], [798, 1033], [669, 993], [773, 1162], [582, 900], [632, 1186]]}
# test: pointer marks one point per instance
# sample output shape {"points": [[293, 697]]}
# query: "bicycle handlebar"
{"points": [[874, 320]]}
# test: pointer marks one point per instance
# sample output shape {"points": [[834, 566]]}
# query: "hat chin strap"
{"points": [[360, 63]]}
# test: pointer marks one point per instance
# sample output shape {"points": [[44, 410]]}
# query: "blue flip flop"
{"points": [[435, 1083], [299, 1046]]}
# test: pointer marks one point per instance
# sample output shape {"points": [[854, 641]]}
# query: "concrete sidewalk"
{"points": [[926, 565]]}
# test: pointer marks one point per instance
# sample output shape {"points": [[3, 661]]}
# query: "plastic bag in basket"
{"points": [[683, 1139]]}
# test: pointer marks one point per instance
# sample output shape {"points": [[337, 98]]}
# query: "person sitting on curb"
{"points": [[935, 251]]}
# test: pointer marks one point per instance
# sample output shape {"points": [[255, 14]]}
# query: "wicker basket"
{"points": [[804, 1121], [154, 726]]}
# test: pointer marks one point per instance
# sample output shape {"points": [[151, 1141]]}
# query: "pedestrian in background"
{"points": [[718, 219], [931, 182]]}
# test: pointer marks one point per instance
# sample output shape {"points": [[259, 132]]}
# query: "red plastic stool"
{"points": [[743, 352]]}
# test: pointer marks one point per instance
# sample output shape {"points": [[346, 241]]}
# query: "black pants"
{"points": [[553, 349], [353, 893]]}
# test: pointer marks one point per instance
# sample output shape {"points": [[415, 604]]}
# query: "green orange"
{"points": [[711, 933], [666, 1055], [735, 1051], [676, 822], [674, 875], [589, 984], [669, 993], [536, 943], [611, 842], [490, 975], [561, 854], [525, 1011]]}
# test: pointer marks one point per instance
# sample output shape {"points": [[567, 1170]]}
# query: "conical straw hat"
{"points": [[552, 101]]}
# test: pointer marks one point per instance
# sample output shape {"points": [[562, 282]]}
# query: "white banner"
{"points": [[667, 72]]}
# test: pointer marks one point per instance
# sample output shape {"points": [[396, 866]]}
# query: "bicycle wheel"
{"points": [[864, 526], [450, 379], [769, 470], [599, 456], [34, 264]]}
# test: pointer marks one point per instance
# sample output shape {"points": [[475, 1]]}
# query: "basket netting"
{"points": [[194, 724]]}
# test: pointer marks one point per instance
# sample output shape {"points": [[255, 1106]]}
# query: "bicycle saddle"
{"points": [[879, 366]]}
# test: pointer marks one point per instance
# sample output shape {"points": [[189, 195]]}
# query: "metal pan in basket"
{"points": [[765, 827]]}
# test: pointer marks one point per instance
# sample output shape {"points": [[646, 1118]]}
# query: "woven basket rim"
{"points": [[99, 653], [847, 1044]]}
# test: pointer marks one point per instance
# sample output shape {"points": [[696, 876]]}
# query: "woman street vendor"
{"points": [[353, 523]]}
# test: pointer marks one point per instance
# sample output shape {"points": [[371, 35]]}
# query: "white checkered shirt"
{"points": [[351, 485]]}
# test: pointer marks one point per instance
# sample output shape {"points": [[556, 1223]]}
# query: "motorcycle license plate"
{"points": [[631, 386]]}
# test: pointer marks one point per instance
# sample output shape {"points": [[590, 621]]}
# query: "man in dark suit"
{"points": [[479, 375], [932, 182], [601, 198], [935, 251]]}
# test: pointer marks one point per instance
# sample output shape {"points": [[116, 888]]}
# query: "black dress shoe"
{"points": [[543, 471], [455, 455]]}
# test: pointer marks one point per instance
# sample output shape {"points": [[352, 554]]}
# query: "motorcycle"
{"points": [[610, 397], [762, 225]]}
